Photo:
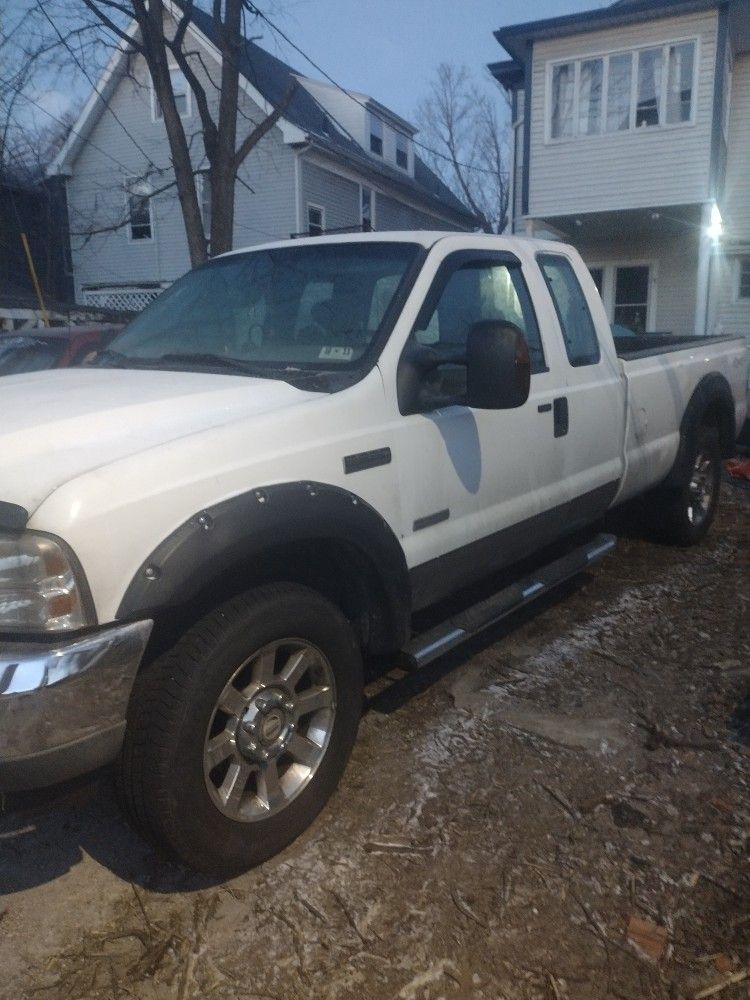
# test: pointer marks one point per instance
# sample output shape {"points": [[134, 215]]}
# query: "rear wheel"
{"points": [[237, 737], [684, 515]]}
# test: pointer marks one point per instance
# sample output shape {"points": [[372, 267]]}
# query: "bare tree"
{"points": [[158, 32], [467, 143]]}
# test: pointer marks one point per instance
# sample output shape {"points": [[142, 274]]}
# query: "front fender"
{"points": [[220, 539]]}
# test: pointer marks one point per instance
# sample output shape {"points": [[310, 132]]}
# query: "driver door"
{"points": [[477, 486]]}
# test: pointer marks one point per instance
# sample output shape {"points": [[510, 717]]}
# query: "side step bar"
{"points": [[430, 645]]}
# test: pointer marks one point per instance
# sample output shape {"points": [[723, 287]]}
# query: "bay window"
{"points": [[563, 97], [590, 97], [649, 87], [622, 91], [619, 93], [680, 82]]}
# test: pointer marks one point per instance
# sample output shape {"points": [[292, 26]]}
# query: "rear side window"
{"points": [[579, 332]]}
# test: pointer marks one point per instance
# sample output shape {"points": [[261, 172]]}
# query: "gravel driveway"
{"points": [[561, 810]]}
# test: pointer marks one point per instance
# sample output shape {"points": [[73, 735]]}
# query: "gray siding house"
{"points": [[334, 161], [631, 129]]}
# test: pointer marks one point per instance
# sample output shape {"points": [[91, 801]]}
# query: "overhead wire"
{"points": [[428, 149]]}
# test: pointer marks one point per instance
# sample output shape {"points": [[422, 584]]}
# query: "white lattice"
{"points": [[120, 299]]}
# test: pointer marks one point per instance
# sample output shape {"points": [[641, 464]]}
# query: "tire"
{"points": [[275, 672], [684, 515]]}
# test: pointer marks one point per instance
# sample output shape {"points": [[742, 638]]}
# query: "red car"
{"points": [[52, 347]]}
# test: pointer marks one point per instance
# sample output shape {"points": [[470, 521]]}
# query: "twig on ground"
{"points": [[711, 991], [463, 907], [561, 800]]}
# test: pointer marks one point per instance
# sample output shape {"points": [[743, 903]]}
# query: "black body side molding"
{"points": [[243, 532], [12, 516]]}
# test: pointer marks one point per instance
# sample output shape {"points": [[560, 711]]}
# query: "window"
{"points": [[366, 212], [482, 290], [563, 95], [316, 220], [619, 93], [680, 83], [649, 87], [181, 93], [376, 136], [139, 209], [744, 278], [402, 151], [579, 333], [631, 298], [590, 97], [644, 88], [204, 193]]}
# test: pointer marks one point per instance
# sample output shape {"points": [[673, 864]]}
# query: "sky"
{"points": [[388, 49]]}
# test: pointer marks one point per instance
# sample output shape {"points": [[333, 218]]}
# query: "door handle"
{"points": [[560, 414]]}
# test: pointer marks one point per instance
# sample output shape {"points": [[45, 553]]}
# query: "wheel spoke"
{"points": [[219, 748], [232, 701], [233, 786], [312, 700], [303, 750], [295, 667], [270, 791], [263, 666]]}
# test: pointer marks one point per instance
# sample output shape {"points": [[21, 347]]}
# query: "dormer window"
{"points": [[376, 136], [402, 151]]}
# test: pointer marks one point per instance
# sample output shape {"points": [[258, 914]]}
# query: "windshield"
{"points": [[318, 307]]}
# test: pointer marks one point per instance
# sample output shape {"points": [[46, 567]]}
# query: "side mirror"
{"points": [[498, 375]]}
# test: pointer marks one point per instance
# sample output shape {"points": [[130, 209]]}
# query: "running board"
{"points": [[430, 645]]}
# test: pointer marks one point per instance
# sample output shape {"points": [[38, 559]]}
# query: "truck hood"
{"points": [[57, 425]]}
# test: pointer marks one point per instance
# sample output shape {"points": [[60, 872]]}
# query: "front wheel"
{"points": [[683, 516], [237, 737]]}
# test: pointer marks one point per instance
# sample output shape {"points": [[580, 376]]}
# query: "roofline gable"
{"points": [[514, 38], [95, 105]]}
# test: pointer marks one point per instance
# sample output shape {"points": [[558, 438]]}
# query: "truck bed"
{"points": [[648, 345]]}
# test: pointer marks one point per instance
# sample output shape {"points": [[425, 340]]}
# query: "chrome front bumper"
{"points": [[63, 703]]}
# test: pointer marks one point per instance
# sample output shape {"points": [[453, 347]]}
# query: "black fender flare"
{"points": [[712, 396], [230, 535]]}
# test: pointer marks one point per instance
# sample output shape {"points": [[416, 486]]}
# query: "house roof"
{"points": [[515, 38], [272, 77]]}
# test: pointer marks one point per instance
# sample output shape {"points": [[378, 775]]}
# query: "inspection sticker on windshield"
{"points": [[336, 353]]}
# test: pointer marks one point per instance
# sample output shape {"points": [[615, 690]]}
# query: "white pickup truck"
{"points": [[206, 531]]}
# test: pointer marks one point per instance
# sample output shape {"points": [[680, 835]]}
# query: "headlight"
{"points": [[40, 588]]}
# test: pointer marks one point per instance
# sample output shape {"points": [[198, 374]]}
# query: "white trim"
{"points": [[155, 103], [317, 208], [98, 96], [633, 52], [290, 133], [77, 136]]}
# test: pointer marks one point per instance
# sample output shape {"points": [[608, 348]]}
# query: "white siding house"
{"points": [[313, 172], [632, 141]]}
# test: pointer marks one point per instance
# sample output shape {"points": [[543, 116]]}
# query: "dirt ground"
{"points": [[561, 810]]}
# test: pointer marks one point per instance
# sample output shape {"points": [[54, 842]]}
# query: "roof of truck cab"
{"points": [[423, 237]]}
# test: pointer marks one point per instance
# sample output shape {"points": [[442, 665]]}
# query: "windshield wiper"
{"points": [[207, 359]]}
